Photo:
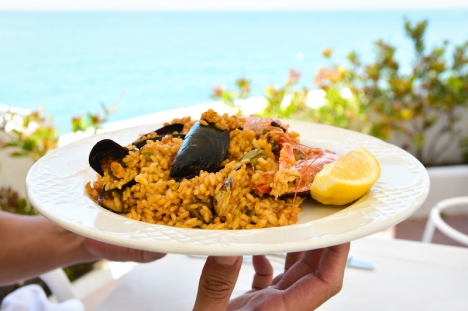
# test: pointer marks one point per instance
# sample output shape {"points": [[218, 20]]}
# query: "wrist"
{"points": [[74, 248], [35, 245]]}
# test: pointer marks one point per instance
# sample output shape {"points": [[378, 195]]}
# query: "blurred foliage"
{"points": [[31, 135], [10, 201], [76, 271], [400, 103], [91, 120], [464, 146], [286, 100], [231, 98]]}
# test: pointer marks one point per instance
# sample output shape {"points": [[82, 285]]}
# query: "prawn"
{"points": [[264, 126], [298, 163], [297, 178]]}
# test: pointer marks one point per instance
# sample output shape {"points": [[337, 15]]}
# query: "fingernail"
{"points": [[225, 260]]}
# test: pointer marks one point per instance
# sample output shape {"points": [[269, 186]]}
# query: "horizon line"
{"points": [[111, 10]]}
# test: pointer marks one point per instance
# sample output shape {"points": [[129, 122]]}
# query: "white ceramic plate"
{"points": [[55, 186]]}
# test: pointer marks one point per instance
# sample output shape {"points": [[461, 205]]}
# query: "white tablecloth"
{"points": [[407, 276]]}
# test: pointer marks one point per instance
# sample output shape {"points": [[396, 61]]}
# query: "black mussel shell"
{"points": [[204, 148], [105, 150], [106, 198], [169, 129], [166, 130]]}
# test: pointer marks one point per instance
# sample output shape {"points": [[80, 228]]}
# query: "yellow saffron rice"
{"points": [[159, 199]]}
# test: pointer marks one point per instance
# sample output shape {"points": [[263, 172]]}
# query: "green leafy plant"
{"points": [[31, 135], [231, 98], [417, 106], [341, 106], [91, 120], [10, 201], [286, 101]]}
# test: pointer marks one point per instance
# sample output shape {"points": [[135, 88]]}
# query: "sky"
{"points": [[159, 5]]}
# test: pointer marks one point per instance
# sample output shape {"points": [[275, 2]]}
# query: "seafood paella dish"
{"points": [[218, 172]]}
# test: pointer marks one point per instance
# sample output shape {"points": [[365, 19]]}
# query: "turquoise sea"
{"points": [[140, 63]]}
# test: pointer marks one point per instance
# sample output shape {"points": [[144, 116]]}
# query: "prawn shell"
{"points": [[204, 148], [103, 151]]}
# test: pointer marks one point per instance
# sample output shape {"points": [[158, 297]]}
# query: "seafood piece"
{"points": [[298, 164], [308, 168], [112, 200], [263, 185], [287, 172], [297, 178], [277, 182], [221, 199], [107, 155], [171, 129], [274, 130], [262, 126], [204, 148]]}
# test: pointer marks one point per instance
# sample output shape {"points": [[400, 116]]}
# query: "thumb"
{"points": [[217, 281]]}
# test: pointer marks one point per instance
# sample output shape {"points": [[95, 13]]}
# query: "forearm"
{"points": [[32, 245]]}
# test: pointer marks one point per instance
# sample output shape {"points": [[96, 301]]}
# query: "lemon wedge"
{"points": [[346, 179]]}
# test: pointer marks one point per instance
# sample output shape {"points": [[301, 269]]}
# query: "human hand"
{"points": [[101, 250], [50, 247], [310, 278]]}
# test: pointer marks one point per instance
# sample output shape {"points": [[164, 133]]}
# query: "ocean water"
{"points": [[139, 63]]}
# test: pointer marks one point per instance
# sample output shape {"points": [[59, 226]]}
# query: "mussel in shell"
{"points": [[107, 151], [221, 199], [104, 153], [112, 199], [204, 148], [171, 129]]}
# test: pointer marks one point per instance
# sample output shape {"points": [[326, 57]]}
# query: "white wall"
{"points": [[445, 182]]}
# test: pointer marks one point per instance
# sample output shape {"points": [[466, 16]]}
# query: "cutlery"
{"points": [[359, 264]]}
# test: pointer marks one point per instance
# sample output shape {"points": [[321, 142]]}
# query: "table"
{"points": [[407, 276]]}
